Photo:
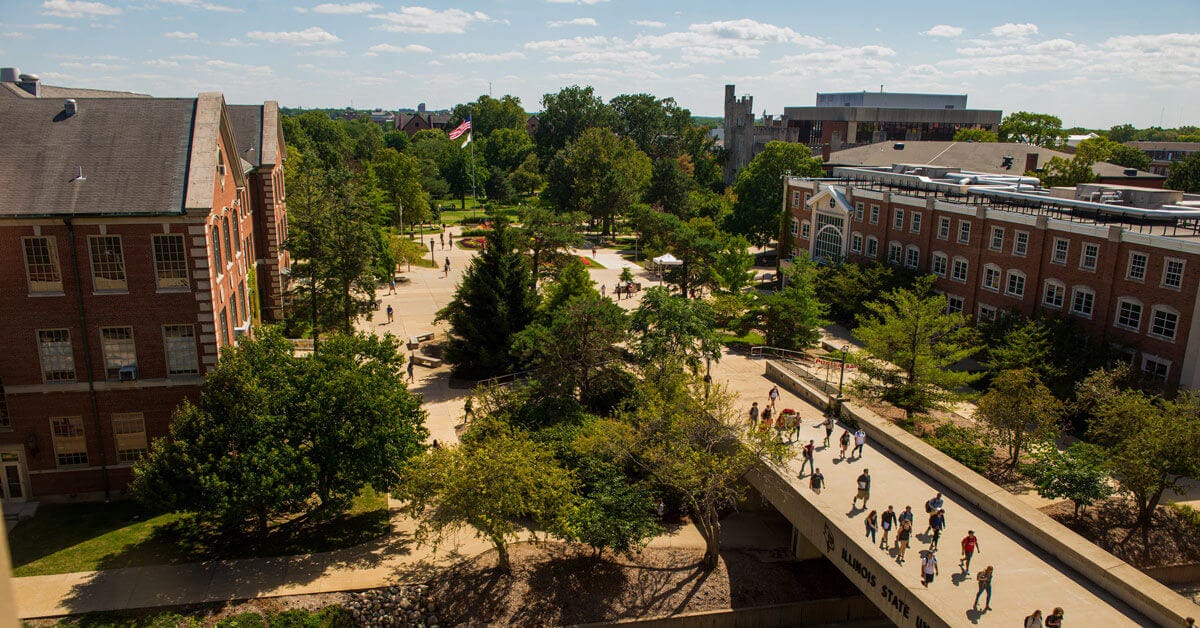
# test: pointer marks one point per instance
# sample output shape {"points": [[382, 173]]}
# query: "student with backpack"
{"points": [[887, 521]]}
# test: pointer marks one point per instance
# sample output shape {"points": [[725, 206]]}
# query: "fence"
{"points": [[798, 363]]}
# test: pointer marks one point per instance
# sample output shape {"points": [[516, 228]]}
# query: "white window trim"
{"points": [[1117, 313], [1066, 252], [1016, 240], [806, 229], [983, 307], [1008, 283], [961, 225], [1146, 357], [898, 219], [944, 222], [914, 222], [869, 253], [856, 237], [874, 214], [1083, 256], [794, 226], [908, 251], [1182, 270], [898, 258], [1061, 286], [1145, 267], [933, 264], [966, 274], [1084, 289], [992, 245], [999, 274], [1166, 309], [961, 302]]}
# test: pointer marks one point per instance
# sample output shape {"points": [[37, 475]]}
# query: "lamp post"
{"points": [[842, 376], [707, 375]]}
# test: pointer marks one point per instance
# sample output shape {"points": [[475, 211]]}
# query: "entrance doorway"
{"points": [[14, 482]]}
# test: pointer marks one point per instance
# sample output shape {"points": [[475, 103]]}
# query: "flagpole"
{"points": [[474, 199]]}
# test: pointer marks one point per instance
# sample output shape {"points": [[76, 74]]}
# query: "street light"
{"points": [[842, 377]]}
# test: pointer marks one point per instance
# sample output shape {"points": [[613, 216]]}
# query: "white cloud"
{"points": [[943, 30], [429, 21], [161, 63], [725, 40], [478, 57], [377, 48], [326, 53], [13, 35], [48, 26], [206, 6], [649, 23], [576, 1], [181, 35], [857, 61], [575, 44], [579, 21], [1018, 31], [750, 30], [241, 69], [78, 8], [636, 57], [353, 8], [307, 37]]}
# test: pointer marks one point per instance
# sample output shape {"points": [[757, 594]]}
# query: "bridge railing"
{"points": [[799, 364]]}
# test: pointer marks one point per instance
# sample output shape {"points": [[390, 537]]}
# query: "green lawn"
{"points": [[750, 339], [64, 538]]}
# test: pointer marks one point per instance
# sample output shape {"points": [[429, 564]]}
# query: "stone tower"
{"points": [[739, 132]]}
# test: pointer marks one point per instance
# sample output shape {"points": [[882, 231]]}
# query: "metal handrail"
{"points": [[760, 351]]}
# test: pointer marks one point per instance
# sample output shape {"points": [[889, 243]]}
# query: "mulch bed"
{"points": [[1173, 539]]}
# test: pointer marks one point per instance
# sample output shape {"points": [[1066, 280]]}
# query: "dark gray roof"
{"points": [[134, 154], [247, 121], [973, 156], [56, 91]]}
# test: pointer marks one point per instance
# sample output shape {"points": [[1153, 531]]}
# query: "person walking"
{"points": [[887, 521], [929, 567], [773, 395], [390, 313], [828, 423], [872, 524], [864, 489], [860, 439], [766, 417], [816, 481], [794, 423], [447, 269], [392, 288], [937, 521], [844, 441], [753, 415], [970, 545], [1054, 619], [902, 536], [807, 454], [442, 237], [933, 505], [1034, 619], [985, 584], [907, 515], [410, 367]]}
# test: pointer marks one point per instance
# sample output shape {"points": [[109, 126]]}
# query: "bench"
{"points": [[423, 337], [426, 361]]}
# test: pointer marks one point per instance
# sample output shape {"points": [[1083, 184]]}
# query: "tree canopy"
{"points": [[489, 114], [599, 174], [976, 135], [1025, 127], [759, 188], [565, 116], [1185, 174]]}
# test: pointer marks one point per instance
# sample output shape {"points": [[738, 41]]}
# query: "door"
{"points": [[13, 487]]}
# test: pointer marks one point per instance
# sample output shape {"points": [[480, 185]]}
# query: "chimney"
{"points": [[30, 83], [1031, 162], [70, 107], [9, 75]]}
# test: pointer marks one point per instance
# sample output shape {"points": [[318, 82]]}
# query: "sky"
{"points": [[1094, 64]]}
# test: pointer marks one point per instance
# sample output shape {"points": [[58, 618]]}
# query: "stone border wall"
{"points": [[1146, 595], [841, 611]]}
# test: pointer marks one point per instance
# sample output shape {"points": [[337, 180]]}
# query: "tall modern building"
{"points": [[1122, 261], [138, 237], [844, 120]]}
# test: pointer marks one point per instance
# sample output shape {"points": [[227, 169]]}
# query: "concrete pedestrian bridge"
{"points": [[1039, 564]]}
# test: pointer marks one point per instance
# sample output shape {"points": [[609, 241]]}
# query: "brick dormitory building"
{"points": [[1122, 261], [138, 237]]}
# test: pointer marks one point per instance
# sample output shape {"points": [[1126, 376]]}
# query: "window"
{"points": [[129, 432], [5, 419], [1137, 267], [1054, 294], [991, 277], [795, 224], [959, 273], [1087, 261], [225, 327], [898, 220], [987, 313], [795, 198], [1016, 284], [1173, 274], [119, 351], [1082, 302], [170, 261], [233, 303], [221, 167], [216, 247], [954, 305], [225, 236], [997, 238], [912, 257], [858, 210], [179, 341], [1021, 243], [1155, 368], [943, 228], [1164, 323], [874, 214], [805, 229], [856, 243], [1061, 247], [895, 251], [915, 223], [964, 232], [58, 360], [41, 264], [1129, 314], [237, 234], [70, 446], [245, 303], [940, 262], [108, 263], [872, 246]]}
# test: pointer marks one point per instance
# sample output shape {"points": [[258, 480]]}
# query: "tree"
{"points": [[654, 124], [599, 174], [506, 149], [1185, 174], [1077, 474], [975, 135], [491, 484], [1150, 444], [565, 116], [1041, 129], [315, 133], [547, 233], [670, 188], [366, 137], [579, 337], [526, 177], [399, 176], [1122, 133], [494, 301], [692, 444], [913, 341], [759, 189], [1025, 345], [1018, 411], [489, 115], [396, 140], [572, 281], [792, 317], [1128, 156], [732, 266], [670, 330], [1059, 172], [848, 288]]}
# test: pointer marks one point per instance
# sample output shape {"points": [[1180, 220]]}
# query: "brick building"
{"points": [[130, 233], [1122, 261], [1163, 154]]}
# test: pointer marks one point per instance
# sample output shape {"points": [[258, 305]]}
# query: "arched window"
{"points": [[895, 252], [225, 234], [795, 226], [1083, 301], [872, 246], [1164, 322], [958, 271], [940, 263], [1054, 294], [1129, 314], [856, 243], [216, 248], [1016, 284], [912, 256], [991, 277]]}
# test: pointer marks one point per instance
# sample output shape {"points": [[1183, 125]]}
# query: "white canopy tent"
{"points": [[664, 260]]}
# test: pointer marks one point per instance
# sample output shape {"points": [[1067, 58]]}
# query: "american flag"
{"points": [[462, 128]]}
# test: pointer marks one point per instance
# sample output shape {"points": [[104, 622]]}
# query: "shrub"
{"points": [[243, 620], [963, 444]]}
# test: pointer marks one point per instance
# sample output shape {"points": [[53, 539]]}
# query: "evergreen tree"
{"points": [[792, 317], [494, 301]]}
